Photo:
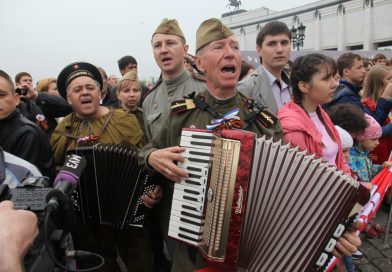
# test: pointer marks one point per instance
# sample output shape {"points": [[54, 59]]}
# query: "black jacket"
{"points": [[44, 110], [26, 140]]}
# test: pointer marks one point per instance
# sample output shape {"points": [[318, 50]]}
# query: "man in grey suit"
{"points": [[269, 84]]}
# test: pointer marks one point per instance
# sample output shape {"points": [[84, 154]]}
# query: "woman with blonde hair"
{"points": [[48, 85], [377, 84]]}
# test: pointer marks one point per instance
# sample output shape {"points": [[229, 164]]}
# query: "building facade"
{"points": [[330, 25]]}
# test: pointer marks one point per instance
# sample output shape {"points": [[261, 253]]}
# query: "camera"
{"points": [[21, 91]]}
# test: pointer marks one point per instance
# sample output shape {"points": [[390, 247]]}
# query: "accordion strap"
{"points": [[203, 105], [69, 135]]}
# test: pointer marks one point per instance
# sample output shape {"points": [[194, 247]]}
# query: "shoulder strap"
{"points": [[260, 113], [68, 133], [203, 105], [110, 115]]}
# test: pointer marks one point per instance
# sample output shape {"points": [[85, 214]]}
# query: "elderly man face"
{"points": [[221, 62], [112, 81], [83, 95]]}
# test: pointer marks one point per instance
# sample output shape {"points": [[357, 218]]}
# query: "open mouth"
{"points": [[228, 69], [166, 59], [86, 101]]}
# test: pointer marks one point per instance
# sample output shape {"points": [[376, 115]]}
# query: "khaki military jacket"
{"points": [[170, 135], [156, 105], [122, 128]]}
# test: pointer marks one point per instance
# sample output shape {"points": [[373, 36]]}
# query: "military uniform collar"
{"points": [[177, 80], [210, 99]]}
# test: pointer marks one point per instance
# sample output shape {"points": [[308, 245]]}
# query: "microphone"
{"points": [[66, 181]]}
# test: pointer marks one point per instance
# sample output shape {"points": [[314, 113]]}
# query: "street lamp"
{"points": [[298, 36]]}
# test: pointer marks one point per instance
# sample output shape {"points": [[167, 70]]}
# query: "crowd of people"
{"points": [[338, 110]]}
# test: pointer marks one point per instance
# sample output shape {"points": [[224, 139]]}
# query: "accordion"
{"points": [[111, 186], [257, 205]]}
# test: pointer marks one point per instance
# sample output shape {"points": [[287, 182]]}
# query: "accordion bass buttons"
{"points": [[210, 194], [339, 231], [324, 257]]}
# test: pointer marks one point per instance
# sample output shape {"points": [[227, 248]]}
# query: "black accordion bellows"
{"points": [[111, 186]]}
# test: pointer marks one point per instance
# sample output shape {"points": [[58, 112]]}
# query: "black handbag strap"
{"points": [[2, 166]]}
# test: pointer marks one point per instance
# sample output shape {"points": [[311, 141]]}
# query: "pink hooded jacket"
{"points": [[299, 130]]}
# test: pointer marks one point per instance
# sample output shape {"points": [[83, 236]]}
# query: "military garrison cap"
{"points": [[74, 70], [131, 76], [211, 30], [169, 26]]}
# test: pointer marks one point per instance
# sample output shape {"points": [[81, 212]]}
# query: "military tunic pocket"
{"points": [[152, 117]]}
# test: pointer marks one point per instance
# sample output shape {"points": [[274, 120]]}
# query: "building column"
{"points": [[341, 41], [317, 30], [367, 26], [243, 39]]}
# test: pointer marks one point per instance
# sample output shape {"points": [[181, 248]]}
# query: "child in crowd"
{"points": [[347, 143], [363, 167]]}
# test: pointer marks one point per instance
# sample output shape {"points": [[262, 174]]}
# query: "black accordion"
{"points": [[111, 186]]}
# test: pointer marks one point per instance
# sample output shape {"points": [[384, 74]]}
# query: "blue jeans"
{"points": [[350, 267]]}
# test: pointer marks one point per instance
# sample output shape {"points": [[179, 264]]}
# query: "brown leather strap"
{"points": [[111, 112], [68, 134]]}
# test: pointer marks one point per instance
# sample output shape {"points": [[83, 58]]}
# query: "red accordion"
{"points": [[257, 205]]}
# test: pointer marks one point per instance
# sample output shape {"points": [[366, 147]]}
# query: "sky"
{"points": [[43, 36]]}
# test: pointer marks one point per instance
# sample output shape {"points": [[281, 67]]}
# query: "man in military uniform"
{"points": [[169, 48], [80, 83], [218, 56]]}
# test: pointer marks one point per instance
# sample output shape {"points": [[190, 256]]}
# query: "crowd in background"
{"points": [[339, 110]]}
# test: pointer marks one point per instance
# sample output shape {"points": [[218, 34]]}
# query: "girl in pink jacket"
{"points": [[304, 123]]}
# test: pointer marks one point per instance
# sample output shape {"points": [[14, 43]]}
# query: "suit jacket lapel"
{"points": [[266, 91]]}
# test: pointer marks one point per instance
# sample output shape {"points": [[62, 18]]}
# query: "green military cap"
{"points": [[211, 30], [169, 26], [131, 76]]}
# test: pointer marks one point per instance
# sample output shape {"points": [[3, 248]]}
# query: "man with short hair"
{"points": [[380, 59], [169, 48], [112, 81], [269, 84], [352, 73], [20, 136], [40, 108], [108, 98], [127, 64]]}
